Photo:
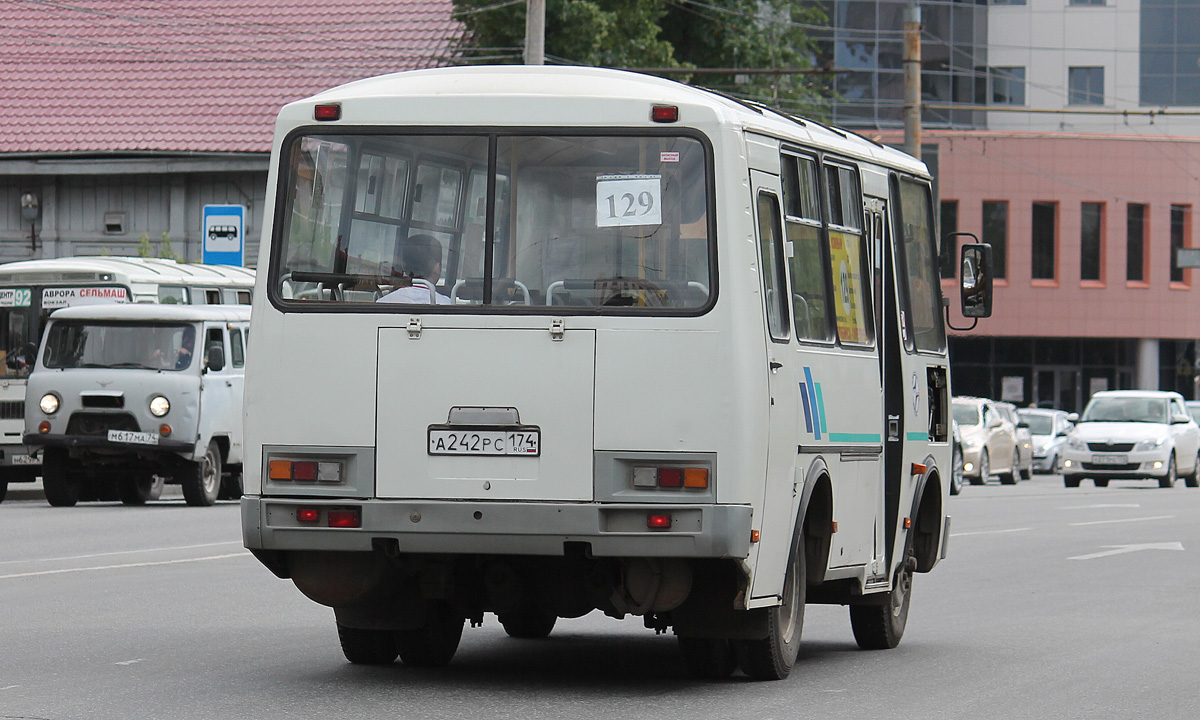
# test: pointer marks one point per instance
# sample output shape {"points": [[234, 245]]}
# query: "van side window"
{"points": [[212, 297], [236, 351], [214, 338], [810, 305], [770, 247]]}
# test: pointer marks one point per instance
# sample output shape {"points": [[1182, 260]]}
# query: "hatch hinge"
{"points": [[414, 328], [557, 328]]}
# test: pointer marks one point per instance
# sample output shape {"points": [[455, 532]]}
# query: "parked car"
{"points": [[124, 394], [956, 473], [1133, 434], [1024, 438], [1049, 429], [989, 441]]}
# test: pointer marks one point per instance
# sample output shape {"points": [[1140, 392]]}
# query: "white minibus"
{"points": [[31, 289], [535, 342]]}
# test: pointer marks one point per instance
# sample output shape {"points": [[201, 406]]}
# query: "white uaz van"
{"points": [[124, 393]]}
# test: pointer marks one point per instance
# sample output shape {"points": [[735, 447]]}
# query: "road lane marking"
{"points": [[989, 532], [122, 552], [118, 567], [1122, 520], [1122, 549], [128, 662], [1102, 505]]}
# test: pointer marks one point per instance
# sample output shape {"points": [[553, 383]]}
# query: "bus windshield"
{"points": [[18, 341], [71, 344], [607, 223]]}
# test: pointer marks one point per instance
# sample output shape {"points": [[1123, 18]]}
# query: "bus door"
{"points": [[917, 375], [782, 374]]}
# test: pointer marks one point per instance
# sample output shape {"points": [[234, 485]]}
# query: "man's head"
{"points": [[421, 256]]}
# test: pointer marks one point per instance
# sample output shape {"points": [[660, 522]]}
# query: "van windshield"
{"points": [[597, 223], [141, 346]]}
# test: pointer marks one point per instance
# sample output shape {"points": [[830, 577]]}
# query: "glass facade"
{"points": [[1170, 53], [867, 41]]}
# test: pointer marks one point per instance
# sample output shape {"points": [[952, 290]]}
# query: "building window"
{"points": [[995, 233], [1085, 86], [1135, 243], [949, 245], [1089, 2], [1007, 2], [1008, 85], [1167, 68], [1180, 224], [1091, 241], [1043, 238]]}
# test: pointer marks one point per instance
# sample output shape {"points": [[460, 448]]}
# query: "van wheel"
{"points": [[880, 627], [136, 489], [201, 480], [367, 647], [772, 657], [528, 622], [1010, 477], [434, 644], [708, 659], [60, 487]]}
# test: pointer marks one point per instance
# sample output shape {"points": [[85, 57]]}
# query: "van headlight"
{"points": [[160, 406], [49, 403]]}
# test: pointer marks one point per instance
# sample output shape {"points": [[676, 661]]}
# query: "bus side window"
{"points": [[237, 352], [810, 306], [770, 247], [212, 297], [848, 257], [243, 297], [172, 295]]}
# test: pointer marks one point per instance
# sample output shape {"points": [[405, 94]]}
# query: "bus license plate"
{"points": [[484, 442], [129, 436], [24, 460], [1110, 459]]}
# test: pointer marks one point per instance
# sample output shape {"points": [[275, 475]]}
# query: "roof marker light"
{"points": [[328, 112], [664, 113]]}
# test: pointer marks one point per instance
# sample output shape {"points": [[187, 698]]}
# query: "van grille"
{"points": [[12, 410], [82, 423], [103, 401]]}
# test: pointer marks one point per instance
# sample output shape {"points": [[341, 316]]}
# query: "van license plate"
{"points": [[129, 436], [1110, 459], [24, 460], [485, 442]]}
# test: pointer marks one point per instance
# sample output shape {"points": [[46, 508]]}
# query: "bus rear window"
{"points": [[598, 224]]}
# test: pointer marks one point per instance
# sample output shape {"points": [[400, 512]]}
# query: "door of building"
{"points": [[1057, 387]]}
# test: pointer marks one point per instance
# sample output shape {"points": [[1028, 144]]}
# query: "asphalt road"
{"points": [[1053, 603]]}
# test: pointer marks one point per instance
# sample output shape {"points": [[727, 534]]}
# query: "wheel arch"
{"points": [[815, 517], [925, 536]]}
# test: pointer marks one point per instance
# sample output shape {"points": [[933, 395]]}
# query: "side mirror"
{"points": [[995, 422], [215, 360], [975, 280], [1180, 419], [1073, 418]]}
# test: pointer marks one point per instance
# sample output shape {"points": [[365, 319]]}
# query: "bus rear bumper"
{"points": [[499, 528]]}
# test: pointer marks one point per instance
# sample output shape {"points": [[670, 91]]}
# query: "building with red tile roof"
{"points": [[123, 117]]}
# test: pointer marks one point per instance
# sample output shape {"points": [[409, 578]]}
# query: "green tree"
{"points": [[656, 34]]}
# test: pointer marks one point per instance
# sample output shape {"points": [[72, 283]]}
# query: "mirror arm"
{"points": [[946, 310]]}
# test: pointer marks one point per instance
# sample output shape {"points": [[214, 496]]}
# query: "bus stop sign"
{"points": [[224, 235]]}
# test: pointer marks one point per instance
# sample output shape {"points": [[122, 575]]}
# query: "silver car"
{"points": [[1049, 429], [1024, 439]]}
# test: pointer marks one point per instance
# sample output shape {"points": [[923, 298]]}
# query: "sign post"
{"points": [[224, 235]]}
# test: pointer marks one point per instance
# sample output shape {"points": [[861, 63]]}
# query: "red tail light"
{"points": [[664, 113], [658, 522], [670, 477], [308, 515], [328, 112], [350, 518]]}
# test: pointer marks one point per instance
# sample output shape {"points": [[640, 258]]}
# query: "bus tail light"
{"points": [[346, 518], [308, 515], [658, 521], [305, 471], [670, 477]]}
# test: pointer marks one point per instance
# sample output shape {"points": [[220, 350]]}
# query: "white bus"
{"points": [[31, 289], [542, 341]]}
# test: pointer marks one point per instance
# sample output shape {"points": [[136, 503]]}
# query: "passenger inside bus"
{"points": [[420, 260]]}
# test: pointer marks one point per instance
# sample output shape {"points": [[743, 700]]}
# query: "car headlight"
{"points": [[1150, 444], [160, 406], [49, 403], [1076, 444]]}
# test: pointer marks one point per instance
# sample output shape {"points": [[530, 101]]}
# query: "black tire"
{"points": [[985, 468], [434, 644], [136, 489], [201, 480], [1027, 473], [60, 487], [156, 488], [956, 471], [772, 657], [528, 622], [1100, 482], [1071, 481], [231, 487], [880, 627], [1168, 480], [1192, 480], [1010, 477], [3, 489], [367, 647], [708, 659]]}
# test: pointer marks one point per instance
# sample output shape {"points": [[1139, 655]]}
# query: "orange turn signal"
{"points": [[695, 477], [280, 470]]}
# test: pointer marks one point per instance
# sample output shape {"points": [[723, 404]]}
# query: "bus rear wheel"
{"points": [[880, 627], [59, 485], [772, 657], [528, 622], [435, 643], [708, 658], [367, 647]]}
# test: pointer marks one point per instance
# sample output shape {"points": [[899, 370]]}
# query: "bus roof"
{"points": [[522, 86], [154, 312], [131, 269]]}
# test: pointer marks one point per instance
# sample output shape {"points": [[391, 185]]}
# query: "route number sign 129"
{"points": [[628, 200]]}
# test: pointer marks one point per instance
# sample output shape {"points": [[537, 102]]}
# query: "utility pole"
{"points": [[535, 32], [912, 80]]}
